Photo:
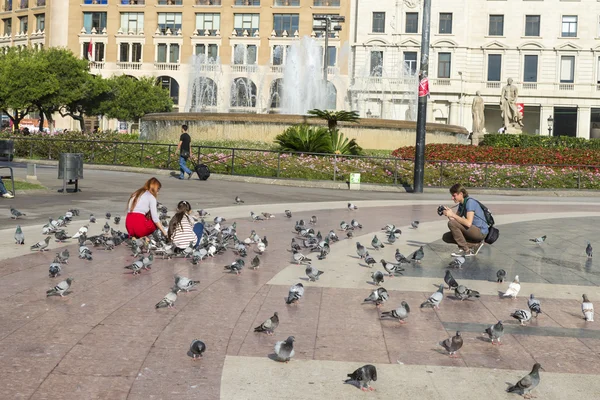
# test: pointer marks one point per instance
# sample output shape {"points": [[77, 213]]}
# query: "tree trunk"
{"points": [[16, 119], [41, 126], [50, 121]]}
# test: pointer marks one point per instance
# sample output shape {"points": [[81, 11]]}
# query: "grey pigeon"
{"points": [[19, 235], [377, 277], [364, 375], [92, 219], [400, 257], [349, 234], [453, 344], [313, 220], [197, 348], [400, 313], [522, 316], [63, 256], [61, 236], [236, 266], [352, 207], [54, 269], [378, 297], [369, 259], [300, 258], [376, 243], [534, 305], [117, 219], [16, 213], [360, 250], [169, 299], [268, 215], [587, 308], [457, 262], [295, 294], [435, 299], [589, 250], [391, 269], [255, 263], [391, 238], [61, 288], [418, 255], [203, 213], [147, 261], [495, 332], [255, 217], [539, 240], [136, 267], [501, 275], [313, 273], [414, 224], [462, 292], [269, 325], [527, 383], [238, 200], [107, 215], [450, 281], [185, 284], [288, 213], [41, 246], [355, 224], [284, 350]]}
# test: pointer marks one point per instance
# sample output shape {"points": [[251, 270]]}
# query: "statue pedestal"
{"points": [[514, 128]]}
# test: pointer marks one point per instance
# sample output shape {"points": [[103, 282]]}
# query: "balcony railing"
{"points": [[163, 66], [277, 69], [96, 64], [326, 3], [244, 68], [40, 3], [96, 2], [287, 3], [170, 2], [208, 2], [129, 65], [133, 2], [492, 85], [566, 86], [255, 3], [23, 4], [529, 85], [441, 82]]}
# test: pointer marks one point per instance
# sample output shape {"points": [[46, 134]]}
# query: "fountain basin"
{"points": [[370, 133]]}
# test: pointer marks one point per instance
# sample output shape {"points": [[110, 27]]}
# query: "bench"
{"points": [[11, 176]]}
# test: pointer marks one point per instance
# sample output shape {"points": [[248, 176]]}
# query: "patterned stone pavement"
{"points": [[106, 340]]}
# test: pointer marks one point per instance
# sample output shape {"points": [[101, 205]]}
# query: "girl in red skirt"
{"points": [[142, 217]]}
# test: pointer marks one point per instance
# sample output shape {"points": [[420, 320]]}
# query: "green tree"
{"points": [[94, 91], [333, 117], [24, 79], [130, 99]]}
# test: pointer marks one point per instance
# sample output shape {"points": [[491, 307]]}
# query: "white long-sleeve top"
{"points": [[146, 202], [184, 233]]}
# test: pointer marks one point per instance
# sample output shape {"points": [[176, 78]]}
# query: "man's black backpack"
{"points": [[493, 233]]}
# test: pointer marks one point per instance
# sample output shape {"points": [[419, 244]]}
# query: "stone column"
{"points": [[545, 112], [584, 115], [453, 113]]}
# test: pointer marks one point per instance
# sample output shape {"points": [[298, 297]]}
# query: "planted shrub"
{"points": [[304, 138], [565, 142]]}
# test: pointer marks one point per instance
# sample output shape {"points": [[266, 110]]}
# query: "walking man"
{"points": [[184, 152]]}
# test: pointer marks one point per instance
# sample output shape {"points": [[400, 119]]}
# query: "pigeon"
{"points": [[203, 213], [349, 234], [92, 219], [391, 269], [147, 261], [82, 231], [63, 256], [588, 309], [284, 350], [295, 294], [106, 228], [269, 325], [376, 243], [288, 213], [414, 224], [364, 375], [355, 224], [539, 240], [169, 299], [185, 284], [255, 217], [238, 200], [462, 292], [313, 273], [400, 313], [378, 296], [513, 288], [261, 247], [117, 219], [344, 226], [501, 275], [300, 258], [391, 238], [41, 246], [450, 281], [15, 214], [19, 236], [457, 262], [352, 207], [313, 220], [236, 266], [136, 266], [218, 220], [435, 299], [255, 263], [107, 215], [197, 348], [268, 215], [522, 316], [370, 260], [418, 255], [360, 250], [534, 305], [60, 289], [527, 383], [588, 250], [400, 257], [377, 277], [452, 345], [61, 236], [54, 269], [495, 332]]}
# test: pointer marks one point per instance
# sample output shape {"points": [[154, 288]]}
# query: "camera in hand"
{"points": [[440, 210]]}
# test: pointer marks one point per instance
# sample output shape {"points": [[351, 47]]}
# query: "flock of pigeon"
{"points": [[218, 238]]}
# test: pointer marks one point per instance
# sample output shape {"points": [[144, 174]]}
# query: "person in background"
{"points": [[182, 229], [184, 152], [3, 192], [142, 216]]}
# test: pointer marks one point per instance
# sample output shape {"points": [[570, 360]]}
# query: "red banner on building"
{"points": [[424, 87], [520, 108]]}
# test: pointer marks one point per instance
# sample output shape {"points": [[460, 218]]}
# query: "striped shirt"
{"points": [[184, 233]]}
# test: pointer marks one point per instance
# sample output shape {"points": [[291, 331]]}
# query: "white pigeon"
{"points": [[587, 308], [513, 288], [261, 247], [82, 231]]}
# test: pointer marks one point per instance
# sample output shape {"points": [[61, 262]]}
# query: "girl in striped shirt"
{"points": [[182, 229]]}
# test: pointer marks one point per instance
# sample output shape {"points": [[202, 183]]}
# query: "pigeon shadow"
{"points": [[484, 339], [353, 256], [352, 382], [416, 243], [303, 278], [273, 357], [440, 351], [364, 265], [372, 283]]}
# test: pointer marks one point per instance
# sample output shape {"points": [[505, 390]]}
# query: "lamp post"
{"points": [[325, 26], [550, 124]]}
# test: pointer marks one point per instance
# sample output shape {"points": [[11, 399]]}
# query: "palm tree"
{"points": [[333, 117]]}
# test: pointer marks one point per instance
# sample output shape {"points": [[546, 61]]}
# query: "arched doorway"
{"points": [[166, 82], [204, 94], [243, 93]]}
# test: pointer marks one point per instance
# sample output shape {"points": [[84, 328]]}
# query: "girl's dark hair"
{"points": [[183, 207]]}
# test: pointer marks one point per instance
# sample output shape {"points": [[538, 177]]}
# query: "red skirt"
{"points": [[138, 225]]}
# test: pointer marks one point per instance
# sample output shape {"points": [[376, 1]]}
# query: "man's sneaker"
{"points": [[462, 253], [7, 196], [478, 247], [190, 175]]}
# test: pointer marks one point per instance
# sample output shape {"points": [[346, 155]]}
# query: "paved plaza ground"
{"points": [[105, 340]]}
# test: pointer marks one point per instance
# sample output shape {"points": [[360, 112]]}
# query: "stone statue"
{"points": [[508, 107], [477, 111]]}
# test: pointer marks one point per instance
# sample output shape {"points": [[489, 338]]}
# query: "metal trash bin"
{"points": [[7, 149], [70, 167]]}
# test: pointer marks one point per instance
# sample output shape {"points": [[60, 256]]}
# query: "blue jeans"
{"points": [[183, 167], [199, 231], [2, 188]]}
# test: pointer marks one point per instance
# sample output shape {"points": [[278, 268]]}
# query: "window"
{"points": [[278, 54], [251, 54], [124, 52], [496, 25], [598, 73], [40, 22], [166, 82], [444, 60], [410, 61], [532, 25], [208, 22], [97, 49], [161, 53], [412, 23], [96, 20], [376, 63], [132, 22], [530, 68], [211, 54], [244, 54], [285, 22], [23, 24], [378, 22], [494, 67], [170, 2], [170, 21], [445, 23], [246, 22], [7, 23], [174, 53], [567, 69], [331, 54], [130, 52], [569, 26], [255, 3]]}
